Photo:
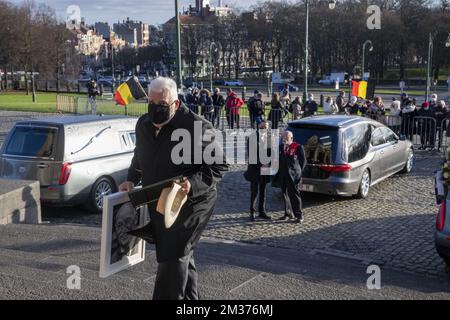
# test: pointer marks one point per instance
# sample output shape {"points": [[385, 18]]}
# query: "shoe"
{"points": [[252, 217], [265, 216], [298, 220], [285, 218]]}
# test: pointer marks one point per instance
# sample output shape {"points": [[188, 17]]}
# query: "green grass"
{"points": [[46, 102]]}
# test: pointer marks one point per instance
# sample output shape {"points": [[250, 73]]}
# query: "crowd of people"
{"points": [[406, 117]]}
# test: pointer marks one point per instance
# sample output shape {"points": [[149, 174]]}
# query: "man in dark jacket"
{"points": [[291, 167], [218, 103], [340, 101], [254, 175], [311, 107], [251, 108], [152, 163]]}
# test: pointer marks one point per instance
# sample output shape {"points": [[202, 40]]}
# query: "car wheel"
{"points": [[409, 166], [101, 188], [364, 187]]}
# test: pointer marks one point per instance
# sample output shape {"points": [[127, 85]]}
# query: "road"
{"points": [[393, 229]]}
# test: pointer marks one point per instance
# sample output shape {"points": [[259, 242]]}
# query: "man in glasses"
{"points": [[153, 162]]}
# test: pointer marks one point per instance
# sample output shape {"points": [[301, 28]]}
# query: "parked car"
{"points": [[190, 83], [292, 88], [442, 238], [219, 82], [348, 155], [234, 83], [76, 159], [105, 82], [332, 78]]}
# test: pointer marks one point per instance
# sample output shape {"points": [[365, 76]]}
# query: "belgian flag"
{"points": [[359, 89], [129, 91]]}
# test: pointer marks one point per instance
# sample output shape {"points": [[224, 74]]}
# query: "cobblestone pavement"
{"points": [[393, 228]]}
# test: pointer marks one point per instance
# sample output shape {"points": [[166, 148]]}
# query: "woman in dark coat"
{"points": [[277, 111]]}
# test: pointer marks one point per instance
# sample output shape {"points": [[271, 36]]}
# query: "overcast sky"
{"points": [[149, 11]]}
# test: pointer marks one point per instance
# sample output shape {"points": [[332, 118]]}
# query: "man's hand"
{"points": [[186, 186], [126, 187]]}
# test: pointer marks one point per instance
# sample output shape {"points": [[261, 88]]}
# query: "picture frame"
{"points": [[120, 251]]}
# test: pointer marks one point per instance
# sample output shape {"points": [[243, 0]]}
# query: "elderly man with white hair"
{"points": [[153, 162], [292, 163]]}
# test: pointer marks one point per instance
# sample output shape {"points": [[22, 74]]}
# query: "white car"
{"points": [[234, 83]]}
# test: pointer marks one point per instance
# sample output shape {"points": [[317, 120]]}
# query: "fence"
{"points": [[424, 132], [66, 104]]}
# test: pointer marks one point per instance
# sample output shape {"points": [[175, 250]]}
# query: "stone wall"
{"points": [[20, 202]]}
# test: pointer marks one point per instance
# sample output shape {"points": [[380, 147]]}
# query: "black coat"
{"points": [[291, 167], [253, 173], [218, 100], [152, 163]]}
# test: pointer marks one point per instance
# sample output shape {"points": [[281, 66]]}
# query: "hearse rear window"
{"points": [[32, 142], [320, 144]]}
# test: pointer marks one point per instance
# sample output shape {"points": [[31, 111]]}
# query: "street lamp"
{"points": [[213, 45], [430, 58], [178, 46], [332, 6], [368, 42]]}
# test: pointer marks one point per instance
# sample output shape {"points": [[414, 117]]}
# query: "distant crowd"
{"points": [[402, 111]]}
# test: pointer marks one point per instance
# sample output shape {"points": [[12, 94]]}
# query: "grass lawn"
{"points": [[46, 102]]}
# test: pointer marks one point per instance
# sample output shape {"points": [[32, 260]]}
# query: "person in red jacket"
{"points": [[234, 105]]}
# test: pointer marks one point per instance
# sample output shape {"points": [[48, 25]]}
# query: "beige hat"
{"points": [[170, 203]]}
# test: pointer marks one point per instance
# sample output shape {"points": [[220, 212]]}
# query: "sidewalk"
{"points": [[34, 259]]}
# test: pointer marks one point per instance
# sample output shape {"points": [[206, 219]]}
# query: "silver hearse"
{"points": [[348, 155], [76, 159]]}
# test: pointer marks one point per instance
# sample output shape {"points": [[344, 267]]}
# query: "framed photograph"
{"points": [[120, 250]]}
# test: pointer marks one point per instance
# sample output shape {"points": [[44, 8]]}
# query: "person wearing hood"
{"points": [[311, 107], [426, 126], [352, 107], [234, 105], [329, 107]]}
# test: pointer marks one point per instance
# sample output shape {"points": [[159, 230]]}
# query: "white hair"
{"points": [[434, 96], [161, 84], [354, 99]]}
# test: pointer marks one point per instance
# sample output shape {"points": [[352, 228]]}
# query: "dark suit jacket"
{"points": [[253, 173], [152, 163], [291, 166]]}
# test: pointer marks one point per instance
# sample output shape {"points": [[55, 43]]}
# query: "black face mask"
{"points": [[159, 114]]}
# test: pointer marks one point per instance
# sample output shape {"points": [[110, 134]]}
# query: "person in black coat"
{"points": [[254, 175], [152, 163], [292, 163], [206, 105], [440, 114], [311, 107], [218, 103]]}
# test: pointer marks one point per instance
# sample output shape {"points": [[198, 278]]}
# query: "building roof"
{"points": [[192, 20]]}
